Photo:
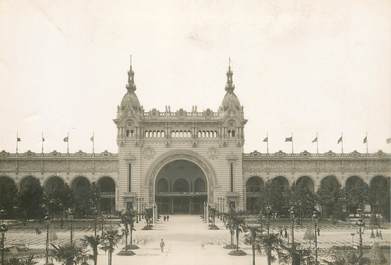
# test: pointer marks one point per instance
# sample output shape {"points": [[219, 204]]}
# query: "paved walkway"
{"points": [[188, 242]]}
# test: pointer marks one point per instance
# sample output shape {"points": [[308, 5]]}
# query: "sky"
{"points": [[300, 67]]}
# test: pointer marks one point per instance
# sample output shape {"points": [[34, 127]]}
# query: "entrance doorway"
{"points": [[180, 188]]}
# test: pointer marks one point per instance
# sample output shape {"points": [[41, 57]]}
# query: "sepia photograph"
{"points": [[195, 132]]}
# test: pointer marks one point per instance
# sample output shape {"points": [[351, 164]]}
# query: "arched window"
{"points": [[199, 185], [254, 184], [162, 185], [181, 185]]}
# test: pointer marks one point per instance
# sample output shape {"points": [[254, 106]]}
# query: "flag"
{"points": [[18, 139], [266, 139], [43, 139], [339, 140], [66, 139], [388, 141], [365, 140], [92, 138], [288, 139], [315, 139]]}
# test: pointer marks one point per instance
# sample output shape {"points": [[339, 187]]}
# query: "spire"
{"points": [[131, 87], [229, 87]]}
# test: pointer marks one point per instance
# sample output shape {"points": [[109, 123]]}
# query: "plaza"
{"points": [[188, 239]]}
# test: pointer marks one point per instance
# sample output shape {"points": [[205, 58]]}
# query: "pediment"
{"points": [[4, 153], [330, 153]]}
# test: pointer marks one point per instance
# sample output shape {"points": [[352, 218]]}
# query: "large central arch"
{"points": [[180, 155]]}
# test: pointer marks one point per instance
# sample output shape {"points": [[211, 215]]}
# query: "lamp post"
{"points": [[3, 230], [361, 224], [315, 218], [268, 212], [47, 220], [95, 213], [70, 217], [292, 216]]}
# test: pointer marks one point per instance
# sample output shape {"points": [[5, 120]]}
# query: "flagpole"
{"points": [[366, 142], [42, 143], [267, 143], [68, 143], [292, 142], [17, 142], [317, 144], [93, 143], [342, 142]]}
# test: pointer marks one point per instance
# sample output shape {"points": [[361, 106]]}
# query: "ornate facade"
{"points": [[181, 159]]}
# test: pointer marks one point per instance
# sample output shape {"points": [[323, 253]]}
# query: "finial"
{"points": [[229, 87], [131, 87]]}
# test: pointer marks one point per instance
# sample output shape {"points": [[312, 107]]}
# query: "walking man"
{"points": [[162, 245]]}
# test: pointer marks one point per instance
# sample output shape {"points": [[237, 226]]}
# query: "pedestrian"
{"points": [[380, 234], [164, 218], [162, 245], [318, 230], [285, 232], [280, 232], [168, 217]]}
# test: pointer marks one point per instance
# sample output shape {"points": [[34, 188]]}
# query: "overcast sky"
{"points": [[300, 66]]}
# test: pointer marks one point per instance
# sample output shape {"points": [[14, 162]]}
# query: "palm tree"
{"points": [[93, 242], [148, 215], [110, 240], [230, 227], [234, 224], [69, 254], [127, 219]]}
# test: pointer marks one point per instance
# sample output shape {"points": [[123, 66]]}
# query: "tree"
{"points": [[271, 243], [301, 192], [109, 241], [278, 195], [69, 253], [331, 197], [212, 213], [7, 195], [82, 194], [235, 223], [148, 215], [93, 242], [379, 196], [127, 219], [30, 198], [230, 226], [356, 191]]}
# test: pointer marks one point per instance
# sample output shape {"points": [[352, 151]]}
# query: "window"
{"points": [[130, 178]]}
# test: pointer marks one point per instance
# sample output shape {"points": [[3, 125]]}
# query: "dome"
{"points": [[130, 101], [230, 101]]}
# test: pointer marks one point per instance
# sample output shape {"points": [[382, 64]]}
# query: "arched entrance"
{"points": [[106, 188], [180, 187], [255, 189]]}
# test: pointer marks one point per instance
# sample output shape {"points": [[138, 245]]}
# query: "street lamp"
{"points": [[70, 216], [292, 215], [268, 212], [95, 213], [3, 230], [47, 220], [315, 218], [361, 224]]}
